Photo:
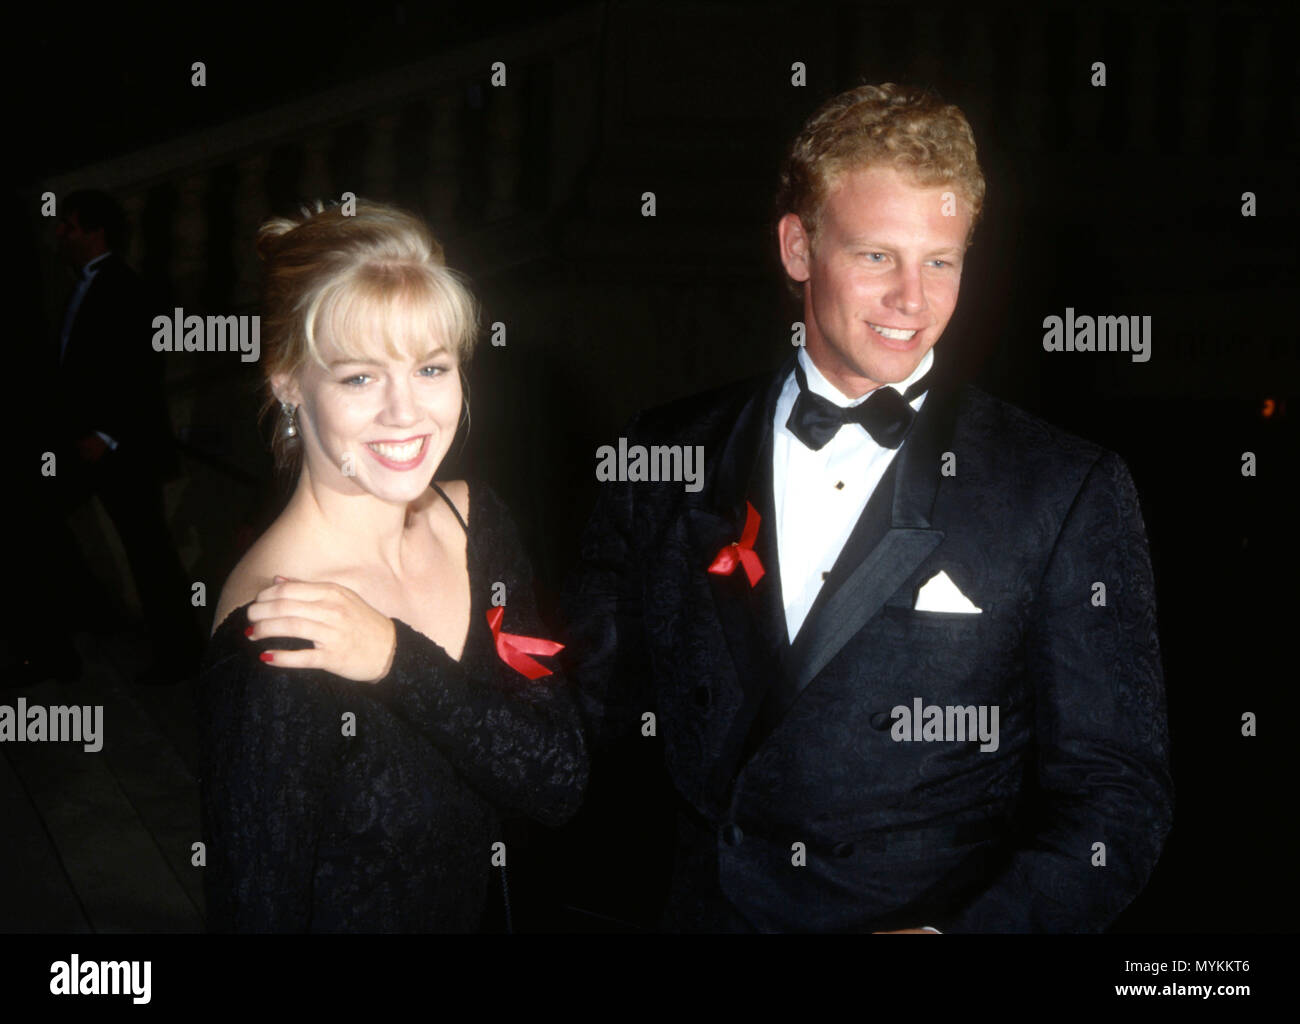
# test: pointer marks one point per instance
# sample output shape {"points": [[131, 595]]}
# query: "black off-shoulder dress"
{"points": [[336, 806]]}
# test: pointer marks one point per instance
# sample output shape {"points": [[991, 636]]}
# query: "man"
{"points": [[116, 438], [889, 694]]}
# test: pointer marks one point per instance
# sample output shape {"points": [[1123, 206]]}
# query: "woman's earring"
{"points": [[289, 410]]}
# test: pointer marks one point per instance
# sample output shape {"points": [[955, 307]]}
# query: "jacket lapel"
{"points": [[743, 476], [752, 617], [892, 538]]}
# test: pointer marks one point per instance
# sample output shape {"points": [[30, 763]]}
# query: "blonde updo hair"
{"points": [[354, 279], [889, 125]]}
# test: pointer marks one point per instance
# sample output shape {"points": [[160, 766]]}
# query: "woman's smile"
{"points": [[400, 455]]}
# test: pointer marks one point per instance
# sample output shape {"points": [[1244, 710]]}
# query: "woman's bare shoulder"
{"points": [[271, 555], [242, 586]]}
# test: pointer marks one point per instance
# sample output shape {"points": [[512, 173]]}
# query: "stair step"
{"points": [[36, 894], [119, 839]]}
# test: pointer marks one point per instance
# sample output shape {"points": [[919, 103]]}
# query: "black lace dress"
{"points": [[336, 806]]}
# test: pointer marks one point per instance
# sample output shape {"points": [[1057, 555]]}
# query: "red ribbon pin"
{"points": [[514, 649], [742, 553]]}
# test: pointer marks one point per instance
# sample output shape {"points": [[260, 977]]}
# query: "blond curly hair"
{"points": [[897, 126]]}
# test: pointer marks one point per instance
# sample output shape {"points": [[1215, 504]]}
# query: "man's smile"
{"points": [[893, 333]]}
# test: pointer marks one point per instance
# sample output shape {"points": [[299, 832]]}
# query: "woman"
{"points": [[363, 732]]}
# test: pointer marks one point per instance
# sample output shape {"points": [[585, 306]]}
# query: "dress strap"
{"points": [[452, 505]]}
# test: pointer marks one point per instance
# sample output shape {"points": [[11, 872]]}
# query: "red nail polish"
{"points": [[248, 631], [267, 656]]}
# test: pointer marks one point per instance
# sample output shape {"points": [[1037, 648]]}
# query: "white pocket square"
{"points": [[940, 594]]}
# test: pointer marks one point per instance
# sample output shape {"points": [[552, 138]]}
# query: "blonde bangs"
{"points": [[402, 310]]}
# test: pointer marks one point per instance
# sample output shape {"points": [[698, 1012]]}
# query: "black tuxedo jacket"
{"points": [[800, 810], [110, 378]]}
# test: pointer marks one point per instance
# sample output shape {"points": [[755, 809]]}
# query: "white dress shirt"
{"points": [[820, 495]]}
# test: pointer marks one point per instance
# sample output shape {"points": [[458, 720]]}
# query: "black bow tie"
{"points": [[886, 415]]}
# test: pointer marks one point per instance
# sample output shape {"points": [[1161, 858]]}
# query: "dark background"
{"points": [[1123, 200]]}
